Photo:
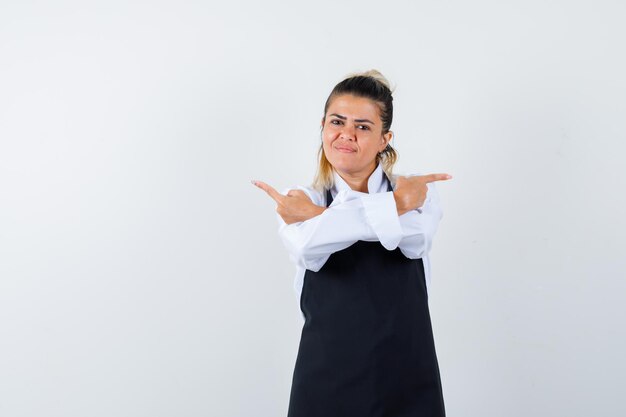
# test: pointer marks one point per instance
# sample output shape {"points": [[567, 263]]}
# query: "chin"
{"points": [[344, 167], [344, 162]]}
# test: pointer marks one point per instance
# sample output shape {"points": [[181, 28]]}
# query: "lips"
{"points": [[345, 149]]}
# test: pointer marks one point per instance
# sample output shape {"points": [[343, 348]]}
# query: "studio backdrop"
{"points": [[141, 273]]}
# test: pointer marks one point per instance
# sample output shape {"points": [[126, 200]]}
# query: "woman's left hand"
{"points": [[294, 207]]}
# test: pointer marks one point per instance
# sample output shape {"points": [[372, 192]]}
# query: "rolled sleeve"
{"points": [[311, 242], [381, 214]]}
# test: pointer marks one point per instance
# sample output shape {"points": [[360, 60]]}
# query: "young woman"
{"points": [[360, 238]]}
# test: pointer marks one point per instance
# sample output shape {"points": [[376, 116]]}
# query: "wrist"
{"points": [[319, 210], [314, 211], [399, 204]]}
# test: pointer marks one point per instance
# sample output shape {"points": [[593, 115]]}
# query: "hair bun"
{"points": [[375, 74]]}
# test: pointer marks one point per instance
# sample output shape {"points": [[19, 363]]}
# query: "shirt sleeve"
{"points": [[412, 232], [419, 226], [355, 216], [310, 243], [381, 213]]}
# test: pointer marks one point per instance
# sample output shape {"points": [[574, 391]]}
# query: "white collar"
{"points": [[374, 182]]}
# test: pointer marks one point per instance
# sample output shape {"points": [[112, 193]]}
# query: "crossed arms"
{"points": [[355, 216]]}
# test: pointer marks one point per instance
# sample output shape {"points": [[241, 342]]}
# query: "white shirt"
{"points": [[354, 216]]}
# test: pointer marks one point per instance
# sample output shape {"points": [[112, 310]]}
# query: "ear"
{"points": [[385, 140], [322, 123]]}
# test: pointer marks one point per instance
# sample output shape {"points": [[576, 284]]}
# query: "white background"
{"points": [[141, 273]]}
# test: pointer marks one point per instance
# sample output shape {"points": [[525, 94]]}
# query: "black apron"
{"points": [[367, 347]]}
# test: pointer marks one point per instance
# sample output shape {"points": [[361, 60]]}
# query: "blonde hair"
{"points": [[369, 84]]}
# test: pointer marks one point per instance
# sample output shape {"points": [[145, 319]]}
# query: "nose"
{"points": [[348, 132]]}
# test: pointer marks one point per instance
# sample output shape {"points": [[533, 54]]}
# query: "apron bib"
{"points": [[367, 347]]}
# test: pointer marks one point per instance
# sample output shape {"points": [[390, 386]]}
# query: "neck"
{"points": [[358, 180]]}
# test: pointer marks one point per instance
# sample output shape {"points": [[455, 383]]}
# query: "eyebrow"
{"points": [[356, 120]]}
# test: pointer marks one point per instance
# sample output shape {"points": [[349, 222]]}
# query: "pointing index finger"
{"points": [[271, 191], [436, 177]]}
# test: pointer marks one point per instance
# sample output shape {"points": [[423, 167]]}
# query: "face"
{"points": [[352, 134]]}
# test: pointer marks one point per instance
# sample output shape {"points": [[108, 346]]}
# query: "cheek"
{"points": [[327, 140], [326, 144]]}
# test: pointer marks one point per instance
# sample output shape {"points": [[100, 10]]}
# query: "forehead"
{"points": [[354, 107]]}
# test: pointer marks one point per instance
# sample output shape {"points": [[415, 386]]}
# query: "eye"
{"points": [[332, 122], [365, 127]]}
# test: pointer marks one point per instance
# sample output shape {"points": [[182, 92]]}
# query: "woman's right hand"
{"points": [[410, 192], [294, 207]]}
